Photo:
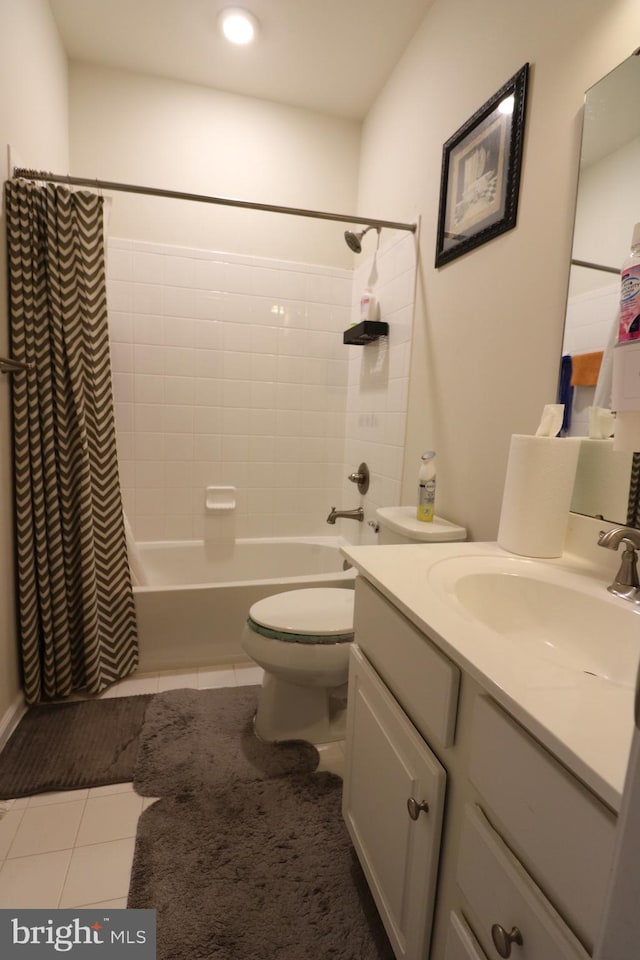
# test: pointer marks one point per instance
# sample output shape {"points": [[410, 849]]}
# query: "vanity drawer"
{"points": [[560, 831], [500, 894], [461, 943], [423, 681]]}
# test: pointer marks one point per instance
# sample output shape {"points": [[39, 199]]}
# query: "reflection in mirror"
{"points": [[608, 206]]}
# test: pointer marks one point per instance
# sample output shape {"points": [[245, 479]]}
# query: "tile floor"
{"points": [[75, 849]]}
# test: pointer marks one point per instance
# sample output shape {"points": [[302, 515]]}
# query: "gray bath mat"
{"points": [[256, 870], [69, 746], [193, 740]]}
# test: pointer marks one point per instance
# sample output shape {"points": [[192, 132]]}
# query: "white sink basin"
{"points": [[555, 614]]}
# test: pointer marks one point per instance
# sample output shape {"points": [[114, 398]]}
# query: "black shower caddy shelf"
{"points": [[366, 332]]}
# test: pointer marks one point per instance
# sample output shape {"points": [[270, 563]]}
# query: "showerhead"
{"points": [[354, 240]]}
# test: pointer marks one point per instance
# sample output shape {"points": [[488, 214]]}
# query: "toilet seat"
{"points": [[315, 616]]}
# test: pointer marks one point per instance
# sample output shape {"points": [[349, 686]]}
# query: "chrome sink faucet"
{"points": [[627, 582], [357, 514]]}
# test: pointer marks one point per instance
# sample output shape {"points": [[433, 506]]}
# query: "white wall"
{"points": [[33, 119], [144, 130], [488, 326]]}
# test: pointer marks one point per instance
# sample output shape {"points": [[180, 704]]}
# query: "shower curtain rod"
{"points": [[20, 172], [596, 266]]}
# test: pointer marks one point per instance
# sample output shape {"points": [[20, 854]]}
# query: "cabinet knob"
{"points": [[503, 940], [416, 807]]}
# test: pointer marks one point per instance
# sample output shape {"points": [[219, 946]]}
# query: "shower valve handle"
{"points": [[361, 477]]}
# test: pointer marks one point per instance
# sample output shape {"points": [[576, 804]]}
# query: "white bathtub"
{"points": [[194, 607]]}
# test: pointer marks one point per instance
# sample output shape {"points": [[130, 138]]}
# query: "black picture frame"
{"points": [[480, 179]]}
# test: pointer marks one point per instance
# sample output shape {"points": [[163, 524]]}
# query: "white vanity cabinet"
{"points": [[517, 864], [393, 804]]}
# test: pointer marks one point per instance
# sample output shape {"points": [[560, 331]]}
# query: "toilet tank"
{"points": [[400, 525]]}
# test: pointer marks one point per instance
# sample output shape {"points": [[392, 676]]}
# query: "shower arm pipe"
{"points": [[25, 174]]}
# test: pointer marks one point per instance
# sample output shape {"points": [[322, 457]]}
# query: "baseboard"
{"points": [[11, 718]]}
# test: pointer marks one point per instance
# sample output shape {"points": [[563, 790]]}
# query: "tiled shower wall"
{"points": [[231, 371], [378, 383]]}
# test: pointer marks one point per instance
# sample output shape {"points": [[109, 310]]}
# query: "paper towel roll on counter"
{"points": [[537, 495]]}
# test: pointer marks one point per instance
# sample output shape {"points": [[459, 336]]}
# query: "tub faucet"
{"points": [[357, 514], [627, 582]]}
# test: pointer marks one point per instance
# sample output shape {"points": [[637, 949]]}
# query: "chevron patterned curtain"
{"points": [[633, 507], [76, 608]]}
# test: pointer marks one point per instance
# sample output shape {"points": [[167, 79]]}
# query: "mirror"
{"points": [[607, 207]]}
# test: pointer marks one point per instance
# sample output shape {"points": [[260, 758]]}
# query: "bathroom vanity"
{"points": [[482, 778]]}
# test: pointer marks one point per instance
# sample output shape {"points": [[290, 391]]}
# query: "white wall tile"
{"points": [[123, 387], [179, 330], [209, 274], [180, 271], [120, 263], [147, 267], [146, 298], [120, 326], [178, 302], [148, 388], [149, 446], [179, 419], [204, 363], [120, 295], [208, 334], [179, 390], [148, 417], [179, 447], [179, 474], [181, 361], [148, 328], [207, 392], [240, 377]]}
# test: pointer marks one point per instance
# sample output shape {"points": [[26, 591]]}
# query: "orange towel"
{"points": [[585, 369]]}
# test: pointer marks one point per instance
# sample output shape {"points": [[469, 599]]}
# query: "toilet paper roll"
{"points": [[537, 495], [626, 436]]}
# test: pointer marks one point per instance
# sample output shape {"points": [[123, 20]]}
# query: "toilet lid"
{"points": [[317, 612]]}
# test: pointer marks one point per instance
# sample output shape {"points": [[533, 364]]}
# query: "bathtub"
{"points": [[197, 595]]}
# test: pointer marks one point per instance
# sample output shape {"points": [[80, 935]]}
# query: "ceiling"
{"points": [[328, 55]]}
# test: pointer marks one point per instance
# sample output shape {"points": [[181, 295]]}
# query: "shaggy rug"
{"points": [[255, 870], [69, 746], [195, 740]]}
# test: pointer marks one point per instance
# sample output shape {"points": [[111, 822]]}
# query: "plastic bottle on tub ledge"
{"points": [[427, 487]]}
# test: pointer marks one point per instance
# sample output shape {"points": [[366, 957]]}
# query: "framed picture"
{"points": [[481, 173]]}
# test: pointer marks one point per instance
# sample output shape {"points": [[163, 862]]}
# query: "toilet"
{"points": [[301, 640]]}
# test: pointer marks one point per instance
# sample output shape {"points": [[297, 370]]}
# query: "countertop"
{"points": [[585, 721]]}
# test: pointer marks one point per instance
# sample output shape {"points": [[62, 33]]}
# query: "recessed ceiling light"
{"points": [[238, 26]]}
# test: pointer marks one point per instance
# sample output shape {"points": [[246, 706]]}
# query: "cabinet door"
{"points": [[390, 768], [504, 901], [461, 943], [557, 828]]}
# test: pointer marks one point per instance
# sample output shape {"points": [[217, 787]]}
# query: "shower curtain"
{"points": [[75, 600], [633, 508]]}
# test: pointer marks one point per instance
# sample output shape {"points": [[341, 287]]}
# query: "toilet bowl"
{"points": [[301, 640]]}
